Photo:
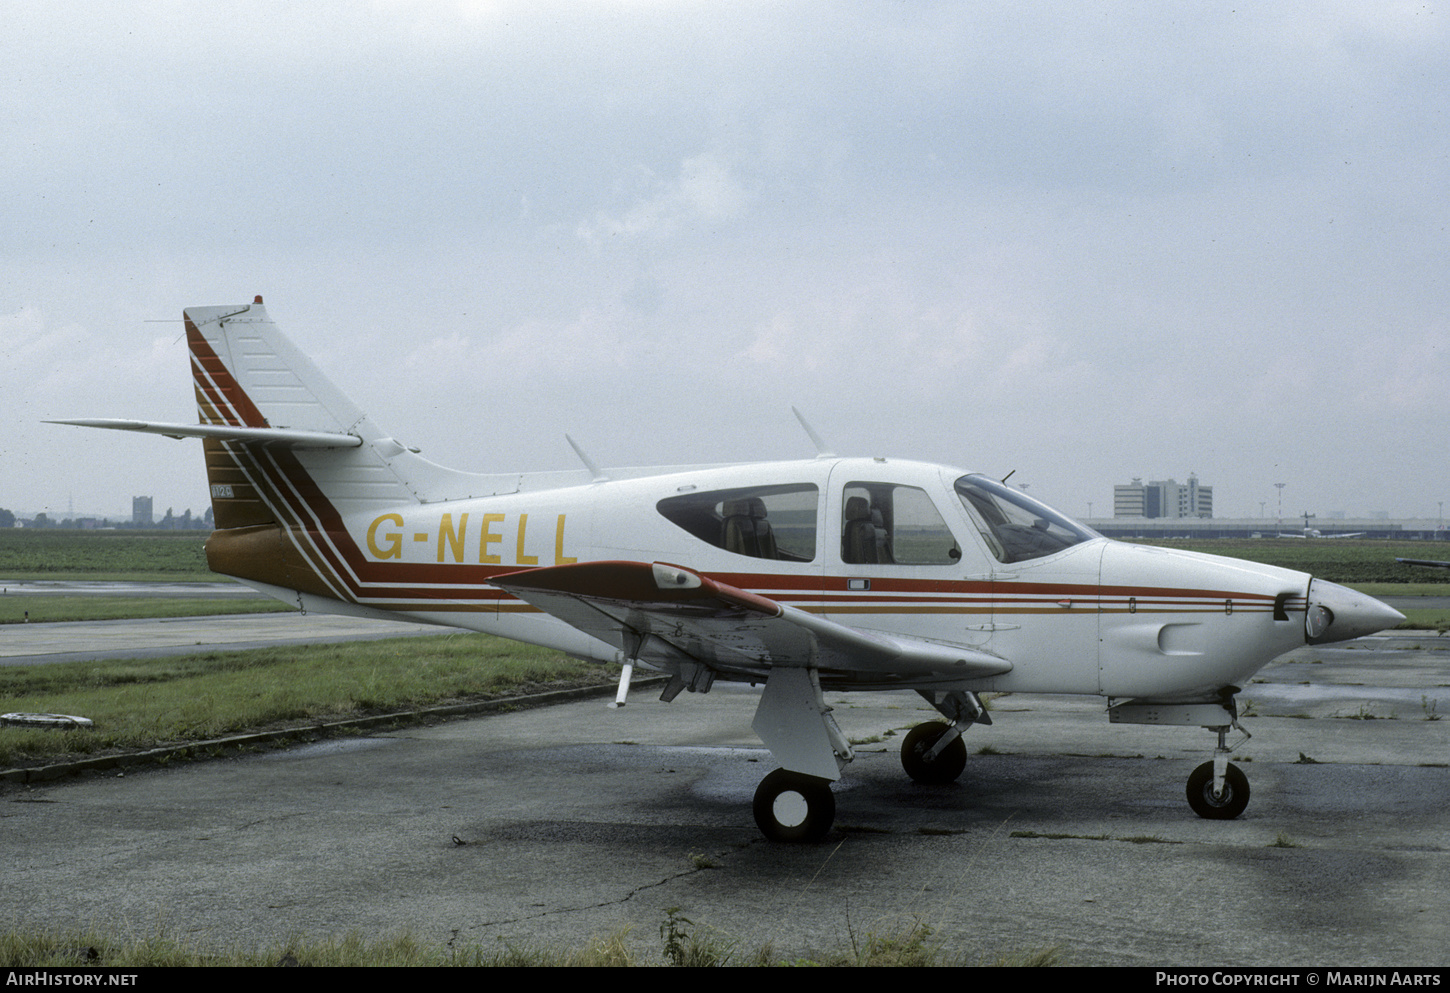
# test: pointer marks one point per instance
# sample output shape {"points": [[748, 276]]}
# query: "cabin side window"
{"points": [[762, 522], [887, 524]]}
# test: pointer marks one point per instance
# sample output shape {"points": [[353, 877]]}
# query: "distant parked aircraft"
{"points": [[1309, 532]]}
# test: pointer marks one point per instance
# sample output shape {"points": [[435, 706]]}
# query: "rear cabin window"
{"points": [[886, 524], [762, 522]]}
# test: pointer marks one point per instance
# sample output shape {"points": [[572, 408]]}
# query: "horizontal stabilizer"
{"points": [[274, 437]]}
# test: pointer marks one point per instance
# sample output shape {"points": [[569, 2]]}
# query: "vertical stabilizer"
{"points": [[247, 374], [290, 460], [280, 507]]}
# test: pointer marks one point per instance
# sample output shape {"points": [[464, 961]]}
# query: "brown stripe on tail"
{"points": [[219, 397], [235, 502], [256, 537]]}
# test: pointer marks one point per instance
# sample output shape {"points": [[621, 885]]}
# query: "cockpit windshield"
{"points": [[1015, 526]]}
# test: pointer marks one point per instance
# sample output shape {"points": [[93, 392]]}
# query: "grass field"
{"points": [[147, 703], [682, 943], [143, 556], [42, 609], [111, 556]]}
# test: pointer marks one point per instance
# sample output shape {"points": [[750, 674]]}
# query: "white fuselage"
{"points": [[1098, 617]]}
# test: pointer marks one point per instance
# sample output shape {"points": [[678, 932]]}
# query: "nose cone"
{"points": [[1337, 613]]}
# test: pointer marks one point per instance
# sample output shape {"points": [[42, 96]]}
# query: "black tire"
{"points": [[793, 807], [1226, 807], [945, 768]]}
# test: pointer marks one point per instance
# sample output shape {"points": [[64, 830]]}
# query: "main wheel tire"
{"points": [[790, 806], [1227, 805], [946, 767]]}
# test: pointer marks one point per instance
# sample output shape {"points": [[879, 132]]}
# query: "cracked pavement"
{"points": [[576, 821]]}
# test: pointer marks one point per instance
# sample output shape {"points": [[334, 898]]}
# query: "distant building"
{"points": [[1130, 500], [141, 515], [1163, 498]]}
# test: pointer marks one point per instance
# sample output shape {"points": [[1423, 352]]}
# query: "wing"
{"points": [[1428, 563], [666, 615]]}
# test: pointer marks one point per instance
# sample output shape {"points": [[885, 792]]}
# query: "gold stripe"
{"points": [[424, 607]]}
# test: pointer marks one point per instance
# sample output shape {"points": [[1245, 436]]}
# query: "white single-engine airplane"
{"points": [[1316, 533], [1309, 532], [824, 574]]}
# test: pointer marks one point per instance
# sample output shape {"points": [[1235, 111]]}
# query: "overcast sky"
{"points": [[1085, 241]]}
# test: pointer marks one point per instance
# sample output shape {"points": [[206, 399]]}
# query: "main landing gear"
{"points": [[791, 806], [927, 758], [934, 753], [795, 806], [795, 803]]}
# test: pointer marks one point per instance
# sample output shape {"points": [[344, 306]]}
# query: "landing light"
{"points": [[668, 577]]}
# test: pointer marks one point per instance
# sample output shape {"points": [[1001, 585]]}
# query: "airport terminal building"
{"points": [[1163, 498], [1169, 509]]}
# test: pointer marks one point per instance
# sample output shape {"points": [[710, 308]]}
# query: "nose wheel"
{"points": [[1217, 790], [1221, 802]]}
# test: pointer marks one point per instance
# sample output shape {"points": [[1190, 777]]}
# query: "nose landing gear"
{"points": [[1216, 790], [1218, 796]]}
